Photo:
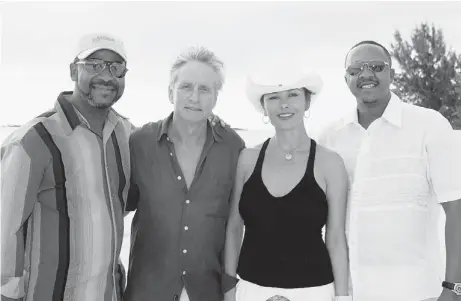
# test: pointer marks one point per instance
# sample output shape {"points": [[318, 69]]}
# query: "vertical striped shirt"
{"points": [[63, 195]]}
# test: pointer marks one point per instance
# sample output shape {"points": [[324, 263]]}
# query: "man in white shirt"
{"points": [[402, 163]]}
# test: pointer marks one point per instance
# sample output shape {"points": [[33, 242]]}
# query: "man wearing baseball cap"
{"points": [[65, 181]]}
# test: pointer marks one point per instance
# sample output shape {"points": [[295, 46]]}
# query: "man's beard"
{"points": [[89, 99]]}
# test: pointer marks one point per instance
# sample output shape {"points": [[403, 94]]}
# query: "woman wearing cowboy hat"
{"points": [[286, 191]]}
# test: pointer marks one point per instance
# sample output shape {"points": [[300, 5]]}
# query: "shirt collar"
{"points": [[351, 117], [392, 113], [165, 123], [73, 118]]}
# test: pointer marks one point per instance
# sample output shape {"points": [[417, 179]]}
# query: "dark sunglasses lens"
{"points": [[354, 70], [377, 66], [118, 70], [93, 68]]}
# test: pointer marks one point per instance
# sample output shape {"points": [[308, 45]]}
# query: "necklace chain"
{"points": [[289, 154]]}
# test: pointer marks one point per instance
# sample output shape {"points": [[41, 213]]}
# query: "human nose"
{"points": [[366, 71], [194, 96], [284, 102]]}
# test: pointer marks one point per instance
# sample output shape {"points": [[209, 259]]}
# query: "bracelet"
{"points": [[343, 298]]}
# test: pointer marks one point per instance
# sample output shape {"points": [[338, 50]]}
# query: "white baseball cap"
{"points": [[91, 43]]}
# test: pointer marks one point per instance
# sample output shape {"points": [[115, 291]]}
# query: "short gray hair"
{"points": [[199, 54]]}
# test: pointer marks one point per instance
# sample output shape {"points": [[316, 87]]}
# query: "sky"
{"points": [[38, 42]]}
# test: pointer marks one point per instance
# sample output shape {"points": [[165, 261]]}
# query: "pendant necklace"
{"points": [[289, 154]]}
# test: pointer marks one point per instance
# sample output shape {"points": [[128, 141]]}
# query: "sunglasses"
{"points": [[118, 70], [373, 66]]}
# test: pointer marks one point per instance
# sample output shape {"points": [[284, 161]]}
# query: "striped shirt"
{"points": [[63, 196], [401, 168]]}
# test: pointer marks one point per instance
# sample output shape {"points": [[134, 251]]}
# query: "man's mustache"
{"points": [[101, 82]]}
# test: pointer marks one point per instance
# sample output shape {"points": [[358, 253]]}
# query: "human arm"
{"points": [[21, 175], [453, 247], [443, 150], [335, 236], [215, 119], [234, 230]]}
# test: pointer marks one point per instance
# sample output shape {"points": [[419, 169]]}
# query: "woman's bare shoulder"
{"points": [[329, 159], [250, 155], [248, 158]]}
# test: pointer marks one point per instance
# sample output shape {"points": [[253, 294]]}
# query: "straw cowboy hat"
{"points": [[281, 79]]}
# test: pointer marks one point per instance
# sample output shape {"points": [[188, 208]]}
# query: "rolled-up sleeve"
{"points": [[443, 147], [20, 180]]}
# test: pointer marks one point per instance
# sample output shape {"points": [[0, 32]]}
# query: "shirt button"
{"points": [[179, 178], [187, 201], [186, 228], [184, 251]]}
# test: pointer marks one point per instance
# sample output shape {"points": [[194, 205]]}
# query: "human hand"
{"points": [[230, 295], [446, 295], [215, 119]]}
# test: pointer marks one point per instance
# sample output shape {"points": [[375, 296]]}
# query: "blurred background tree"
{"points": [[430, 72]]}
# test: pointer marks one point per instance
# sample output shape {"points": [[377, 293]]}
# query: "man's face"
{"points": [[194, 94], [102, 89], [371, 83]]}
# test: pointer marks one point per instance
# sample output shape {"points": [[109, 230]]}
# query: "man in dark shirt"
{"points": [[182, 176]]}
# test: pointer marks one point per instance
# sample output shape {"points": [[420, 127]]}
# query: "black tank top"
{"points": [[283, 245]]}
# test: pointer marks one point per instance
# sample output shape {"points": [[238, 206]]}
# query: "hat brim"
{"points": [[84, 54], [310, 81]]}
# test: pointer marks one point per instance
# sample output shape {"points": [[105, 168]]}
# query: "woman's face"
{"points": [[285, 109]]}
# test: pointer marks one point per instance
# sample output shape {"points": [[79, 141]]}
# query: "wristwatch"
{"points": [[454, 287]]}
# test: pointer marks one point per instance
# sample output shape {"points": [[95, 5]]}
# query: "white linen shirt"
{"points": [[399, 169]]}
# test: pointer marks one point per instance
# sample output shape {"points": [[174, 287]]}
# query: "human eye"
{"points": [[354, 69], [94, 62], [185, 86], [377, 66], [204, 89], [93, 66]]}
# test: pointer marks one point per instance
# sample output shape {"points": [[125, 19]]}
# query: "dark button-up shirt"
{"points": [[178, 234]]}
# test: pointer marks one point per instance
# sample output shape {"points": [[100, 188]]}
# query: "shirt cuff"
{"points": [[449, 196], [13, 287], [228, 282]]}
